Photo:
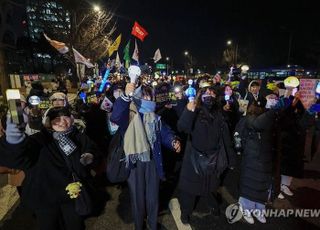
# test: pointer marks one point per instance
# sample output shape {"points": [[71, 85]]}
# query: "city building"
{"points": [[41, 17], [11, 14]]}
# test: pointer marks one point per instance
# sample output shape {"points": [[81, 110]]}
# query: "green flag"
{"points": [[126, 55]]}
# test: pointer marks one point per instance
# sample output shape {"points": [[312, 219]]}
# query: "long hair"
{"points": [[146, 91], [198, 97], [255, 110], [205, 114]]}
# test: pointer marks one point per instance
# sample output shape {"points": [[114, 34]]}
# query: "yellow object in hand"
{"points": [[74, 189]]}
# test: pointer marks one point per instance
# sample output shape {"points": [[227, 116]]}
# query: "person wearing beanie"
{"points": [[52, 160], [143, 133]]}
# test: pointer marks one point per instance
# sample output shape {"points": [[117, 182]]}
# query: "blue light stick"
{"points": [[104, 80], [190, 92], [83, 96]]}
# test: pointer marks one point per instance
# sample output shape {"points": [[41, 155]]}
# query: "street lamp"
{"points": [[189, 56], [96, 8], [235, 52], [244, 68], [167, 59]]}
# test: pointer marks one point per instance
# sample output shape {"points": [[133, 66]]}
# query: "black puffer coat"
{"points": [[292, 143], [47, 173], [204, 137], [256, 164]]}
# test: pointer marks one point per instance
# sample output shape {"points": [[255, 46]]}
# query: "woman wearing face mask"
{"points": [[143, 134], [47, 158], [258, 156], [203, 122]]}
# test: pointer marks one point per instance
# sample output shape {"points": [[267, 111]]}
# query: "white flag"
{"points": [[60, 46], [135, 55], [157, 56], [118, 61], [81, 59], [112, 63], [81, 71]]}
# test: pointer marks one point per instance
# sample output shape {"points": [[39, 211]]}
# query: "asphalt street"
{"points": [[117, 212]]}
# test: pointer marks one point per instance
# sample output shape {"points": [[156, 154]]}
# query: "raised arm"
{"points": [[186, 120]]}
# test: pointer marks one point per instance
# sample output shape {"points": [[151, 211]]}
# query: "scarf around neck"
{"points": [[66, 145], [144, 106], [141, 134]]}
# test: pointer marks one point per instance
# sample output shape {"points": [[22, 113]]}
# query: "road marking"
{"points": [[174, 207]]}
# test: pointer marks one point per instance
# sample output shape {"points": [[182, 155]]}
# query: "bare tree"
{"points": [[78, 25], [228, 57]]}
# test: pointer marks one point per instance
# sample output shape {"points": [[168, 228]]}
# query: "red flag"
{"points": [[139, 31]]}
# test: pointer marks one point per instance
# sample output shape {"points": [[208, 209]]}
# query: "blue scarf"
{"points": [[149, 124], [145, 106]]}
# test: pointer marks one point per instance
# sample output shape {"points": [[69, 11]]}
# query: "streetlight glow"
{"points": [[244, 68], [186, 53], [96, 8], [167, 58], [229, 42]]}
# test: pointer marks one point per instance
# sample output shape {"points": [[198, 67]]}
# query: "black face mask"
{"points": [[208, 102]]}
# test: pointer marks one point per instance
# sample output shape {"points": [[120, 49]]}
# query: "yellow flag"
{"points": [[114, 46]]}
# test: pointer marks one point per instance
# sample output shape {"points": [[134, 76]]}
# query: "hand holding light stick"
{"points": [[190, 92], [134, 73], [104, 80]]}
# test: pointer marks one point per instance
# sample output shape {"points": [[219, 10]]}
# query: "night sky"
{"points": [[262, 30]]}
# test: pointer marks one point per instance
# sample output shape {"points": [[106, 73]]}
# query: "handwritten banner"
{"points": [[307, 91]]}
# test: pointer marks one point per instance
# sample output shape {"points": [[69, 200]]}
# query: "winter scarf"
{"points": [[66, 145], [140, 135]]}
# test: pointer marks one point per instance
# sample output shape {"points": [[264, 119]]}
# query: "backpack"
{"points": [[117, 170], [208, 163]]}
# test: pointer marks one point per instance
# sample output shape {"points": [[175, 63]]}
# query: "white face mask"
{"points": [[116, 94], [271, 103]]}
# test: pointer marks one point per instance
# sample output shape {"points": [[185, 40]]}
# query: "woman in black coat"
{"points": [[294, 124], [256, 164], [51, 159], [204, 124]]}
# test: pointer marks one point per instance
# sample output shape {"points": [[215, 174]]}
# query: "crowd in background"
{"points": [[165, 133]]}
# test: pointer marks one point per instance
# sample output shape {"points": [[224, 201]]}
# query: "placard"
{"points": [[307, 91]]}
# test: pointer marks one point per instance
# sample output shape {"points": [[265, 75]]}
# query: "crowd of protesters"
{"points": [[67, 142]]}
